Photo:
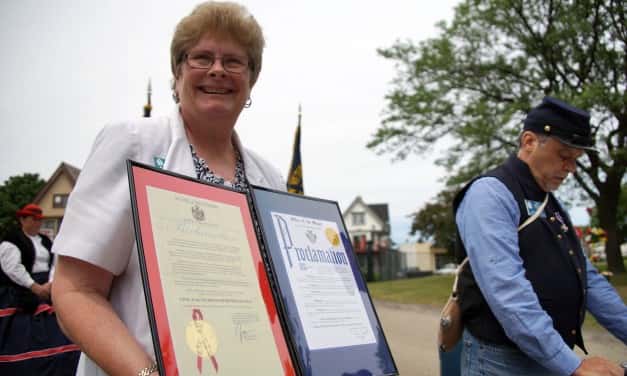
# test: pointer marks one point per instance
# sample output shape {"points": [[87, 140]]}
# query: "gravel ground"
{"points": [[411, 332]]}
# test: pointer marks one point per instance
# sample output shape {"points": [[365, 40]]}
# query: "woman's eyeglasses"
{"points": [[205, 60]]}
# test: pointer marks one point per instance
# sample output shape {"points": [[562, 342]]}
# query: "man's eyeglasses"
{"points": [[205, 60]]}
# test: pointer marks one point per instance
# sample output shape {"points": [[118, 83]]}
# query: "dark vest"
{"points": [[551, 255], [27, 251]]}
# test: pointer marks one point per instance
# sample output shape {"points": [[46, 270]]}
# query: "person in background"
{"points": [[525, 294], [31, 342], [215, 58]]}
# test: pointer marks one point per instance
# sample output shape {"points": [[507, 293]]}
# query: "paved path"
{"points": [[411, 331]]}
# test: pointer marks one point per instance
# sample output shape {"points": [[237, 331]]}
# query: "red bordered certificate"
{"points": [[210, 304]]}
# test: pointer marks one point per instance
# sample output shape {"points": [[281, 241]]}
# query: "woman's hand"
{"points": [[42, 291]]}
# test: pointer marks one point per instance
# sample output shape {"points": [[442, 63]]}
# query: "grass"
{"points": [[434, 291]]}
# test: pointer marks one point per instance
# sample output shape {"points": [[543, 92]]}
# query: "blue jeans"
{"points": [[480, 358], [450, 361]]}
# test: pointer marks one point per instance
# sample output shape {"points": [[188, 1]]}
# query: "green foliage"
{"points": [[435, 222], [470, 87], [16, 192]]}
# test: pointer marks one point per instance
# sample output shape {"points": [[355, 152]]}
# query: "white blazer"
{"points": [[97, 226]]}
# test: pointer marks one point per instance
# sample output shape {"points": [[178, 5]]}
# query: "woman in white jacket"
{"points": [[216, 55]]}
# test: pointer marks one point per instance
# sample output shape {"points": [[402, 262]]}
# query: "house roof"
{"points": [[381, 210], [378, 210], [71, 171]]}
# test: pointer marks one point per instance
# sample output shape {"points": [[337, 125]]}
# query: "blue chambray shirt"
{"points": [[488, 219]]}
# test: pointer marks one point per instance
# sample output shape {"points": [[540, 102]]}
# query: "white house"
{"points": [[370, 222]]}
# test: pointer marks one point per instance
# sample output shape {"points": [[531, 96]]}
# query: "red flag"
{"points": [[362, 243]]}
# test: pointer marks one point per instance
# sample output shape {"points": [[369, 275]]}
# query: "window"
{"points": [[49, 227], [59, 200], [359, 218], [49, 224]]}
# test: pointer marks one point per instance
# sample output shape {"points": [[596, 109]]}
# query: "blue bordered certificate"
{"points": [[327, 309]]}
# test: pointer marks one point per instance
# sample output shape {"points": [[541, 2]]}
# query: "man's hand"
{"points": [[596, 365], [42, 291]]}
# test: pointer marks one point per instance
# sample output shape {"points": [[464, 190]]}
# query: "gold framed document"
{"points": [[210, 304]]}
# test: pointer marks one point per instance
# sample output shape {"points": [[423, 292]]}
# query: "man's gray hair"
{"points": [[542, 138]]}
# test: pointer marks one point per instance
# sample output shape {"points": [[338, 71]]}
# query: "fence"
{"points": [[387, 264]]}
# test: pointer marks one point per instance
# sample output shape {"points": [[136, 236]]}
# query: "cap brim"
{"points": [[576, 146], [24, 214]]}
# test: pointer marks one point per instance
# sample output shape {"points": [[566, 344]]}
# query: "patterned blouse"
{"points": [[204, 173]]}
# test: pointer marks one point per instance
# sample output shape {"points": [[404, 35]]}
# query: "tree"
{"points": [[621, 215], [474, 83], [435, 222], [16, 192]]}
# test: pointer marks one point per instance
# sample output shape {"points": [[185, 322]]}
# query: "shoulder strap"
{"points": [[457, 273], [527, 222]]}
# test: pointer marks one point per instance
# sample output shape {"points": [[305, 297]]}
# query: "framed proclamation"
{"points": [[210, 305], [323, 297]]}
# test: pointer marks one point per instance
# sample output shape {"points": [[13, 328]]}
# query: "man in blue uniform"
{"points": [[524, 294]]}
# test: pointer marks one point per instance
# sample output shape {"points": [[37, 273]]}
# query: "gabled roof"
{"points": [[380, 211], [71, 171], [356, 201]]}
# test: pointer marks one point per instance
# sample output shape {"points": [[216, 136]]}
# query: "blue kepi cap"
{"points": [[563, 121]]}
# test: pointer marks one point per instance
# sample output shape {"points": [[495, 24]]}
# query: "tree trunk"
{"points": [[612, 251], [608, 211]]}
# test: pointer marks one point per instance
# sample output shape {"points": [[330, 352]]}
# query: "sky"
{"points": [[70, 67]]}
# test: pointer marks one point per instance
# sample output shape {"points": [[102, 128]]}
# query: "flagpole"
{"points": [[300, 114], [148, 105], [295, 174]]}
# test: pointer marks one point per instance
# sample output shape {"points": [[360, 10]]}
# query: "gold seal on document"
{"points": [[201, 338], [333, 236]]}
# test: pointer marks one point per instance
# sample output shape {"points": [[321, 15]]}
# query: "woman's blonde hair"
{"points": [[223, 20]]}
